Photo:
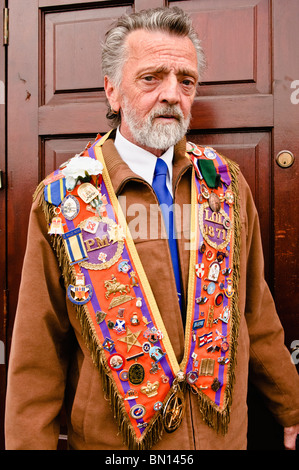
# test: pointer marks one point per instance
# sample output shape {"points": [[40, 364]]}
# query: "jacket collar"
{"points": [[120, 173]]}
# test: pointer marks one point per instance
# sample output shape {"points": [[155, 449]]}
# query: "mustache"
{"points": [[173, 111]]}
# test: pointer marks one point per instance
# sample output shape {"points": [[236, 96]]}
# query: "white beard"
{"points": [[156, 135]]}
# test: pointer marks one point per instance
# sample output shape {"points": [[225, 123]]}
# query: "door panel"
{"points": [[72, 69], [57, 151], [56, 104], [235, 36]]}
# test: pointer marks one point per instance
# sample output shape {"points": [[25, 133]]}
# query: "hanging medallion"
{"points": [[174, 410], [70, 207]]}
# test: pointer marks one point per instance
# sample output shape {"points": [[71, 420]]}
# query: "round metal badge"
{"points": [[136, 374], [146, 347], [211, 288], [224, 346], [210, 153], [124, 375], [137, 411], [218, 299], [116, 361], [214, 202], [192, 377], [158, 405]]}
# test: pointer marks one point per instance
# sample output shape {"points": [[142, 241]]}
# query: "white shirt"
{"points": [[141, 161]]}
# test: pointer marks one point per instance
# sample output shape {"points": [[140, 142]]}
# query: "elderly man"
{"points": [[158, 313]]}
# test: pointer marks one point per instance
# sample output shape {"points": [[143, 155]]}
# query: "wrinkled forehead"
{"points": [[160, 49]]}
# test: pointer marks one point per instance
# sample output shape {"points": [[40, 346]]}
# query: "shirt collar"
{"points": [[141, 161]]}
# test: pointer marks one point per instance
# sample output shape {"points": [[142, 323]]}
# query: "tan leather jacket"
{"points": [[50, 364]]}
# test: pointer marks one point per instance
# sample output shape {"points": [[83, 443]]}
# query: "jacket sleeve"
{"points": [[271, 368], [40, 347]]}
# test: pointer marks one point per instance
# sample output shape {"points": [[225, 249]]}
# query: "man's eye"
{"points": [[187, 82], [148, 78]]}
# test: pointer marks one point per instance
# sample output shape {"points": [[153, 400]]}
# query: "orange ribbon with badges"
{"points": [[119, 316]]}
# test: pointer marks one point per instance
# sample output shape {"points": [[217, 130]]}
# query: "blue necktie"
{"points": [[165, 201]]}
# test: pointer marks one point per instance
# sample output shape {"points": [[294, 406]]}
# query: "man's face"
{"points": [[157, 89]]}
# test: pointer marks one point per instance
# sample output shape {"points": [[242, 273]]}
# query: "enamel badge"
{"points": [[79, 294]]}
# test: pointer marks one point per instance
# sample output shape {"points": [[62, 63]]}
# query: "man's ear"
{"points": [[112, 94]]}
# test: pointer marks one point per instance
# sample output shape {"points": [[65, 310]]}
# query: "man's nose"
{"points": [[170, 90]]}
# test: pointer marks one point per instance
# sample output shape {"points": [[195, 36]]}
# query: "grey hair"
{"points": [[114, 51]]}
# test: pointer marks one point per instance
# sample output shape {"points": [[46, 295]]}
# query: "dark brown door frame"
{"points": [[3, 212]]}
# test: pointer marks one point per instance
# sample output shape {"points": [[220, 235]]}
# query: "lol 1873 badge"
{"points": [[215, 226]]}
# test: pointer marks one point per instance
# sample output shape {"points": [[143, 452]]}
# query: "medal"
{"points": [[173, 412], [116, 361], [210, 153], [56, 227], [214, 202], [137, 411], [136, 374], [74, 246], [70, 207]]}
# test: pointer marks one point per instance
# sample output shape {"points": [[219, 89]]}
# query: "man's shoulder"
{"points": [[82, 165]]}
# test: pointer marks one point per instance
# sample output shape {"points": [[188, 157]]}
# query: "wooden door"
{"points": [[56, 104]]}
